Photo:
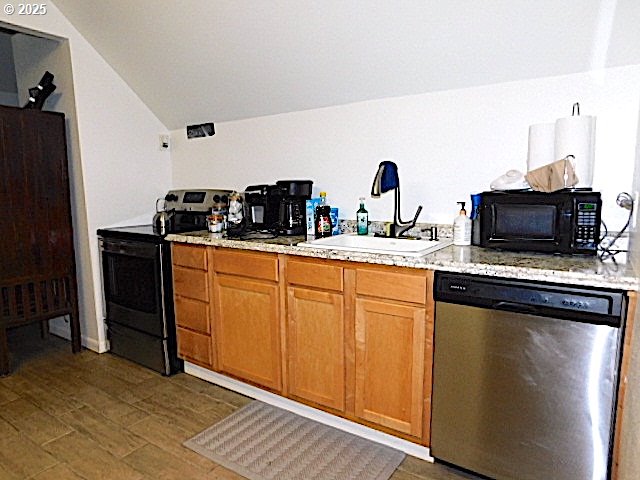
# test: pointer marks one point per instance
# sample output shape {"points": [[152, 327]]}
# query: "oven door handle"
{"points": [[133, 249], [113, 284]]}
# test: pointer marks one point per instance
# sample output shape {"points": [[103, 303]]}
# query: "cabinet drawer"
{"points": [[190, 283], [190, 256], [255, 265], [314, 274], [192, 314], [394, 285], [194, 346]]}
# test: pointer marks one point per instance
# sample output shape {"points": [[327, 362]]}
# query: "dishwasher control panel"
{"points": [[528, 297]]}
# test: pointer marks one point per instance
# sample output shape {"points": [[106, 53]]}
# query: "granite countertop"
{"points": [[577, 270]]}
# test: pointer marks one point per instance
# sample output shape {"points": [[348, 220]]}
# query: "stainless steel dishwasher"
{"points": [[525, 377]]}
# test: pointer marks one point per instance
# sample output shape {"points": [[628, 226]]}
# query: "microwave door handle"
{"points": [[565, 220]]}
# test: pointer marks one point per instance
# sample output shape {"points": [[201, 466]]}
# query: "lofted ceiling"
{"points": [[195, 61]]}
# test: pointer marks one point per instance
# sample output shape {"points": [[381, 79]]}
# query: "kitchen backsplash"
{"points": [[422, 230]]}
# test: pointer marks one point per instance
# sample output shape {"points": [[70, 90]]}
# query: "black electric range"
{"points": [[138, 296]]}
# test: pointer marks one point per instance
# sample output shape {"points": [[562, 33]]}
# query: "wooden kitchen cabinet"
{"points": [[393, 327], [359, 342], [349, 338], [316, 333], [389, 364], [192, 293], [247, 316]]}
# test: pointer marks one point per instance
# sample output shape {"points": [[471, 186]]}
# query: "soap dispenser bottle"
{"points": [[362, 219], [462, 227]]}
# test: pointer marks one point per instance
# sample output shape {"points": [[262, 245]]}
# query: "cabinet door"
{"points": [[390, 346], [315, 342], [190, 256], [247, 327], [37, 238], [195, 347], [191, 289]]}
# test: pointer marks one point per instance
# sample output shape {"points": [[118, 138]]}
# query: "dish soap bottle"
{"points": [[323, 217], [462, 227], [362, 219]]}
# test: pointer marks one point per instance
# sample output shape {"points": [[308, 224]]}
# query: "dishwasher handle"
{"points": [[515, 307], [543, 311]]}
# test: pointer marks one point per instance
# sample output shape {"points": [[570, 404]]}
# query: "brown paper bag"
{"points": [[553, 176]]}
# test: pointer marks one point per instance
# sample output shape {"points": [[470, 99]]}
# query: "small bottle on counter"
{"points": [[362, 219], [323, 217], [462, 227]]}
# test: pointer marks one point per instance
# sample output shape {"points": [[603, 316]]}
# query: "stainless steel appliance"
{"points": [[137, 279], [292, 219], [192, 207], [525, 377], [566, 221], [138, 294]]}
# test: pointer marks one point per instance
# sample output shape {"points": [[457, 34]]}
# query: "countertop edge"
{"points": [[611, 275]]}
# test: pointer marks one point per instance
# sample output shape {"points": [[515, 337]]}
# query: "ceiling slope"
{"points": [[192, 61]]}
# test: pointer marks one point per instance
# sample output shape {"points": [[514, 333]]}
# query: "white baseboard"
{"points": [[94, 345], [61, 330], [405, 446]]}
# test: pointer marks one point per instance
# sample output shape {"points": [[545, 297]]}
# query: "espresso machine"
{"points": [[295, 194]]}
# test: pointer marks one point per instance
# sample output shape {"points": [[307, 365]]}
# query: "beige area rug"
{"points": [[263, 442]]}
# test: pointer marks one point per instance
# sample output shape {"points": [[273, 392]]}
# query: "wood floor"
{"points": [[93, 417]]}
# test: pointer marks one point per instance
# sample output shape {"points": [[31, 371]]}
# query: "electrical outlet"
{"points": [[165, 143]]}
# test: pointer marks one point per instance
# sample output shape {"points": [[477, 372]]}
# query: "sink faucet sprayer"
{"points": [[387, 179]]}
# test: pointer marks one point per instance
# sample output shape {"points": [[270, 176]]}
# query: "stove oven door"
{"points": [[133, 293]]}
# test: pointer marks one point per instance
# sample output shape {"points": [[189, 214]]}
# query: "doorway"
{"points": [[30, 55]]}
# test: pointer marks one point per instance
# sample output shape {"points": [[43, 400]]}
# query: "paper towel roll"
{"points": [[541, 145], [576, 136]]}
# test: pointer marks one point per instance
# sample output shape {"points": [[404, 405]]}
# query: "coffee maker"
{"points": [[263, 206], [295, 194]]}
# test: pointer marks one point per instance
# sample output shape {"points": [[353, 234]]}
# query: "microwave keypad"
{"points": [[586, 224]]}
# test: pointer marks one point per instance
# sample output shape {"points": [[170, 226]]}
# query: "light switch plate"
{"points": [[165, 142]]}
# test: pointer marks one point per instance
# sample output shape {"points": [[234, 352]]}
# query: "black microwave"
{"points": [[567, 221]]}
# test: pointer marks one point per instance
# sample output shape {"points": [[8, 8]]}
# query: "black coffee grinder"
{"points": [[295, 194]]}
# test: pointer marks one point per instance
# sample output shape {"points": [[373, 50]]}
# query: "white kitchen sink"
{"points": [[371, 244]]}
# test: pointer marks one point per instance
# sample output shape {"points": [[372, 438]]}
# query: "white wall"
{"points": [[8, 89], [122, 169], [9, 98], [446, 144]]}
